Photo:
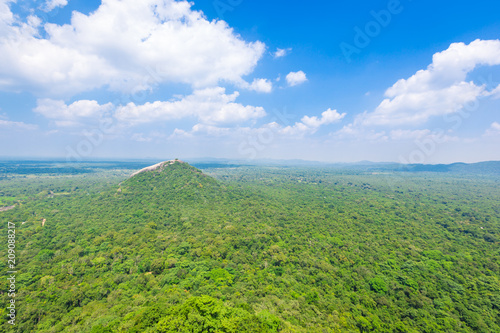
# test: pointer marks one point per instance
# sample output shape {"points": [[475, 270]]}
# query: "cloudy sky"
{"points": [[338, 81]]}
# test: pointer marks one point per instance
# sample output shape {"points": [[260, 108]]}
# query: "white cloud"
{"points": [[281, 52], [213, 131], [438, 90], [127, 45], [296, 78], [307, 126], [234, 133], [71, 115], [494, 130], [210, 106], [180, 133], [6, 17], [418, 107], [259, 85], [356, 133], [139, 137], [312, 124], [16, 125], [422, 135], [408, 134], [327, 117], [51, 4], [156, 136], [495, 93], [352, 132]]}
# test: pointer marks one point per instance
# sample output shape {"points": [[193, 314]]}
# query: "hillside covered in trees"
{"points": [[253, 249]]}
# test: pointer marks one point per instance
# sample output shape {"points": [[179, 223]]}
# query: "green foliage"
{"points": [[101, 329], [157, 266], [257, 250], [378, 285], [206, 314], [221, 277], [45, 255]]}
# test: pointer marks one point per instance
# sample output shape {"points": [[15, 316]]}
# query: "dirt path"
{"points": [[4, 209], [43, 222]]}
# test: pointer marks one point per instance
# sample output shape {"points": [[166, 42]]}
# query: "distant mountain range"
{"points": [[492, 167], [34, 166], [489, 167]]}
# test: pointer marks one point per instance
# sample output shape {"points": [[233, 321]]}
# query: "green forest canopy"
{"points": [[254, 249]]}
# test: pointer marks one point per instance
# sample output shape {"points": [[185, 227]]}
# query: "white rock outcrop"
{"points": [[156, 166]]}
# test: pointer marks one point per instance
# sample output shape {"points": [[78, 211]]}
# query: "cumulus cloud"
{"points": [[57, 109], [296, 78], [73, 114], [180, 133], [418, 107], [16, 125], [232, 133], [6, 16], [210, 106], [438, 90], [51, 4], [258, 85], [495, 93], [125, 45], [494, 130], [307, 125], [312, 124], [281, 52], [327, 117]]}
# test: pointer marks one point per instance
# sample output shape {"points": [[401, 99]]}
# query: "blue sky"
{"points": [[337, 81]]}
